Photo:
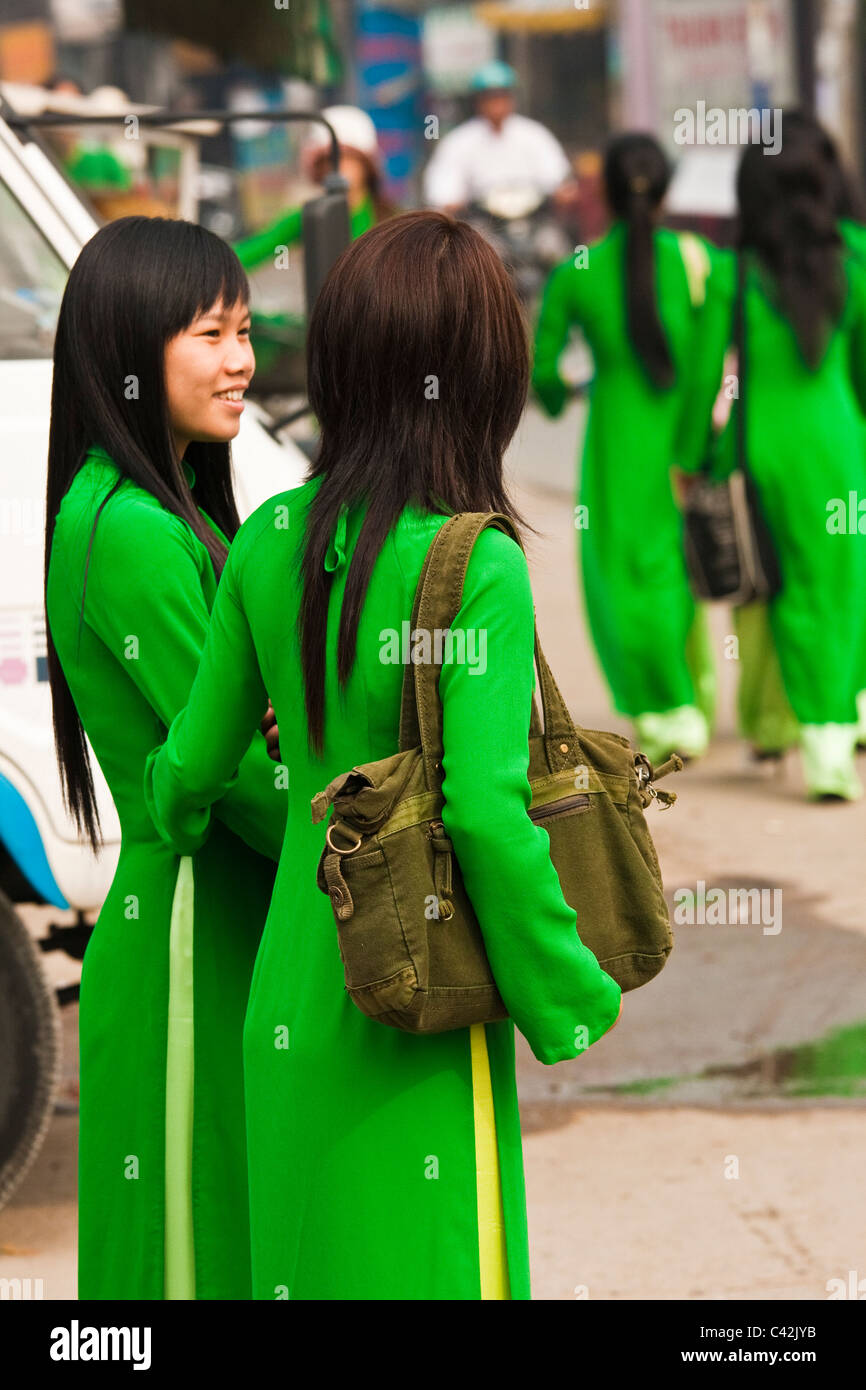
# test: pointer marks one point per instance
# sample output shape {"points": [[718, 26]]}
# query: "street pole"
{"points": [[638, 105], [805, 16]]}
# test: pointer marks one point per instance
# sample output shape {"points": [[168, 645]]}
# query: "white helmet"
{"points": [[354, 129]]}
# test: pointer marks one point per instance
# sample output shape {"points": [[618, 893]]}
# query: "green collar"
{"points": [[335, 555], [96, 451]]}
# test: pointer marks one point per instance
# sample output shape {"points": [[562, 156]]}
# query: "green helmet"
{"points": [[494, 77]]}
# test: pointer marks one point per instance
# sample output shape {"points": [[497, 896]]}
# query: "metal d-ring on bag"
{"points": [[411, 945]]}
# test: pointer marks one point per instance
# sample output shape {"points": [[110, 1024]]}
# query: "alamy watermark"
{"points": [[465, 647], [77, 1343], [741, 125], [728, 907], [22, 1289], [846, 516]]}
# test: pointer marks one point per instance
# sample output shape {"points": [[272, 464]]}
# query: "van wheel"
{"points": [[29, 1050]]}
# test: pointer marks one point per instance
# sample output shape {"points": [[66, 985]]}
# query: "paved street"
{"points": [[711, 1146]]}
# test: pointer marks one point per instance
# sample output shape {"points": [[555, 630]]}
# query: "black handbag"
{"points": [[729, 550]]}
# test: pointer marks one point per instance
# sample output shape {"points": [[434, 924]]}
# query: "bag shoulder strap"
{"points": [[437, 601]]}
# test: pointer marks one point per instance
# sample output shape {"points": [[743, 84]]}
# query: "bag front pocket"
{"points": [[565, 806], [372, 942]]}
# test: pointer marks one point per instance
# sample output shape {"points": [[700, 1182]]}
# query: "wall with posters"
{"points": [[707, 59], [725, 53]]}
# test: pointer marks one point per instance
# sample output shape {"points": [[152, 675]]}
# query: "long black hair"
{"points": [[136, 284], [636, 175], [789, 208], [417, 370], [845, 189]]}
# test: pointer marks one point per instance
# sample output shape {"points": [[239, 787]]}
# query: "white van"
{"points": [[43, 225]]}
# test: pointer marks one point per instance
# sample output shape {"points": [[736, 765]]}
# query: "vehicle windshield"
{"points": [[32, 279]]}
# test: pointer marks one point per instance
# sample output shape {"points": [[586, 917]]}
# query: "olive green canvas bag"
{"points": [[412, 949]]}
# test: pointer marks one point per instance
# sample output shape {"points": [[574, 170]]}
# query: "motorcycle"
{"points": [[523, 227]]}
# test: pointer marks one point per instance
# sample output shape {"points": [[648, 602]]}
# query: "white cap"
{"points": [[108, 100], [353, 128]]}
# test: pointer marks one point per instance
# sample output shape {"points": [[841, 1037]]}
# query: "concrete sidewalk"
{"points": [[622, 1203]]}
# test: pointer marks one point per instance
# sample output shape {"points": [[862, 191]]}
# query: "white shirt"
{"points": [[475, 160]]}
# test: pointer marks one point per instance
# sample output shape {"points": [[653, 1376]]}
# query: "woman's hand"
{"points": [[269, 728], [683, 484]]}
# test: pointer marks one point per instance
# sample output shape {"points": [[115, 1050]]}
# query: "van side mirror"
{"points": [[326, 233]]}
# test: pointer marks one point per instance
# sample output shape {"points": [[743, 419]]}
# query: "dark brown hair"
{"points": [[417, 370]]}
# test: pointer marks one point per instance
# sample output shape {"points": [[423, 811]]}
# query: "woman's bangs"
{"points": [[212, 276]]}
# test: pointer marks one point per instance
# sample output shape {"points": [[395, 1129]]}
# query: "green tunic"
{"points": [[639, 605], [765, 715], [97, 169], [374, 1160], [854, 236], [805, 449], [286, 229], [163, 1207]]}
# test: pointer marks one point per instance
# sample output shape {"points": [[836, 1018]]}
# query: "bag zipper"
{"points": [[579, 802]]}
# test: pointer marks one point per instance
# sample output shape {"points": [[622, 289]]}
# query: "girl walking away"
{"points": [[636, 295], [766, 718], [151, 361], [383, 1164], [805, 328]]}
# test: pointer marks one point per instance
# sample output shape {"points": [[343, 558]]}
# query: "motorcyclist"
{"points": [[496, 149]]}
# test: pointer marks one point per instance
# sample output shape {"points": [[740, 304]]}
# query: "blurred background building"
{"points": [[585, 66]]}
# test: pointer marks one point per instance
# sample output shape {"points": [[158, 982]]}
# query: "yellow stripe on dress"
{"points": [[179, 1078], [491, 1222]]}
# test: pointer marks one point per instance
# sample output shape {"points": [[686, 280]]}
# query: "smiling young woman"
{"points": [[152, 359]]}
